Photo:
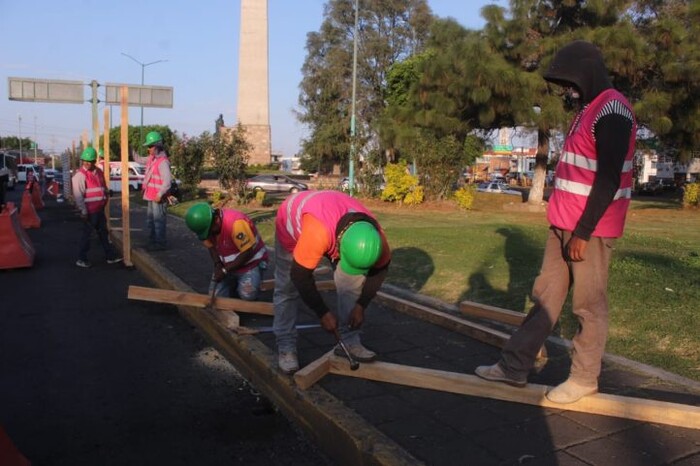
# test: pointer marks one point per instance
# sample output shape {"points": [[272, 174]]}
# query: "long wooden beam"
{"points": [[184, 298], [446, 320], [638, 409], [484, 311]]}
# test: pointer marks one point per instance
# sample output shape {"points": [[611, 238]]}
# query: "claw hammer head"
{"points": [[354, 365]]}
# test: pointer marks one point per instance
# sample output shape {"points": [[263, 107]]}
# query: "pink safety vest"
{"points": [[326, 206], [576, 171], [95, 191], [152, 182], [228, 252]]}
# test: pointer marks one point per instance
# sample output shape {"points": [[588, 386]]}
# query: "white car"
{"points": [[498, 188]]}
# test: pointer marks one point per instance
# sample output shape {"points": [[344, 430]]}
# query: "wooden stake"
{"points": [[126, 224], [638, 409], [105, 161], [314, 372], [484, 311], [157, 295]]}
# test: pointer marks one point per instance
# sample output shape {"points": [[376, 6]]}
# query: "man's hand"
{"points": [[329, 322], [576, 248], [219, 272], [357, 316], [158, 199]]}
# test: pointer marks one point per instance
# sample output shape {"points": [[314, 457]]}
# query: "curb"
{"points": [[338, 431]]}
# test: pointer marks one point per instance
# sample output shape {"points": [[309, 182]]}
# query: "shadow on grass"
{"points": [[416, 267], [523, 257]]}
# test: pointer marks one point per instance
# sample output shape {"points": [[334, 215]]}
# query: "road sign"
{"points": [[46, 90], [141, 96]]}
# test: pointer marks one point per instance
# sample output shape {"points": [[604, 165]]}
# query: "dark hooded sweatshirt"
{"points": [[580, 65]]}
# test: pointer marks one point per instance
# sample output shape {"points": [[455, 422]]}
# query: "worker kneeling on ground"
{"points": [[309, 226], [235, 246]]}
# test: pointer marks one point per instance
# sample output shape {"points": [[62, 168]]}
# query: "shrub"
{"points": [[465, 197], [691, 195], [400, 184]]}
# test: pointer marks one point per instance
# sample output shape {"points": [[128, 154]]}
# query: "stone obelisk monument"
{"points": [[253, 89]]}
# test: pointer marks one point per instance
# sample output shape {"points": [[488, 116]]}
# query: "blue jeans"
{"points": [[97, 222], [247, 284], [156, 216], [286, 300]]}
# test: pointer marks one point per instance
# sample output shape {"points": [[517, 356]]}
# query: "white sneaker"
{"points": [[357, 351], [570, 392], [116, 260], [288, 362], [495, 373], [83, 264]]}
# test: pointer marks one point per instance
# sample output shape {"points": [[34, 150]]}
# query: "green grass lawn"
{"points": [[492, 256]]}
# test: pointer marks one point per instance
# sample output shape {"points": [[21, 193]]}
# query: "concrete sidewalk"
{"points": [[406, 425]]}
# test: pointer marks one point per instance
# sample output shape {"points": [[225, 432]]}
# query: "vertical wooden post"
{"points": [[126, 227], [105, 160]]}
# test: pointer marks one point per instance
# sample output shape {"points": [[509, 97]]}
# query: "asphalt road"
{"points": [[88, 377]]}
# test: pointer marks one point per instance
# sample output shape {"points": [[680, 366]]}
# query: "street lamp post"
{"points": [[19, 117], [143, 67]]}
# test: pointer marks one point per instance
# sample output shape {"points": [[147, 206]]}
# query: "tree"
{"points": [[115, 135], [13, 142], [388, 31], [231, 153]]}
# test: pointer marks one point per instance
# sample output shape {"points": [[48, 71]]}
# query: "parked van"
{"points": [[136, 175], [8, 168], [23, 168]]}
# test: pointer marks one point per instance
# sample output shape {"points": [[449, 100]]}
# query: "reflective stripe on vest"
{"points": [[95, 198], [227, 249], [577, 168]]}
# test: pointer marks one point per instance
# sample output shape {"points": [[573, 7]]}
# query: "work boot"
{"points": [[570, 392], [357, 351], [495, 373], [288, 362]]}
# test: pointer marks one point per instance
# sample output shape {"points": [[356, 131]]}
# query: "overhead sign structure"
{"points": [[141, 96], [46, 90]]}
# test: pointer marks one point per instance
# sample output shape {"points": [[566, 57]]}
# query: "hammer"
{"points": [[354, 365]]}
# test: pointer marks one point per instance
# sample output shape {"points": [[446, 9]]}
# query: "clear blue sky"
{"points": [[83, 40]]}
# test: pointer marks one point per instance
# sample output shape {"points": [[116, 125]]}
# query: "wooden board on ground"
{"points": [[446, 320], [638, 409], [484, 311], [158, 295], [314, 372]]}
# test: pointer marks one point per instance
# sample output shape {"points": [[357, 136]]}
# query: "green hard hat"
{"points": [[152, 138], [360, 248], [89, 154], [199, 218], [101, 153]]}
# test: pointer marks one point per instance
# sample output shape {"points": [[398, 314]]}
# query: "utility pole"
{"points": [[351, 169], [20, 138], [35, 141]]}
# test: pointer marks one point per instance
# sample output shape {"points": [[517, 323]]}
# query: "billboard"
{"points": [[141, 96]]}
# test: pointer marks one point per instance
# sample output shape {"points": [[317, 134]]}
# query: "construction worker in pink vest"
{"points": [[90, 194], [311, 225], [586, 213], [156, 185], [236, 249]]}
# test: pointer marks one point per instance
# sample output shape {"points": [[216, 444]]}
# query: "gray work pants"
{"points": [[589, 279]]}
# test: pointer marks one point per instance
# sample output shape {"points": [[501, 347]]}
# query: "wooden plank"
{"points": [[126, 216], [446, 320], [314, 372], [184, 298], [638, 409], [484, 311], [230, 320]]}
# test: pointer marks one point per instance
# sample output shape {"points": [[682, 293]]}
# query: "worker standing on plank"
{"points": [[592, 191], [309, 226], [235, 246]]}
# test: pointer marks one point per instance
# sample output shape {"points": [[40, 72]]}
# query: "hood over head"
{"points": [[580, 64]]}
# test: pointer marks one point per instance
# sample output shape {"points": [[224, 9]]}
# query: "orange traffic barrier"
{"points": [[16, 249], [28, 217], [52, 189], [36, 196], [9, 454]]}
